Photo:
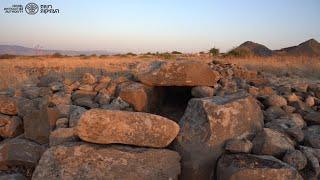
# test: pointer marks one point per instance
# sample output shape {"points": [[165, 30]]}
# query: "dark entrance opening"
{"points": [[173, 101]]}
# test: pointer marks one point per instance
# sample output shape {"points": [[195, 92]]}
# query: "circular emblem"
{"points": [[32, 8]]}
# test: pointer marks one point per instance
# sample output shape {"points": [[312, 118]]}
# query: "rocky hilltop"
{"points": [[169, 120]]}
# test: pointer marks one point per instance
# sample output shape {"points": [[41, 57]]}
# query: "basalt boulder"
{"points": [[207, 125], [133, 128], [179, 73], [87, 161]]}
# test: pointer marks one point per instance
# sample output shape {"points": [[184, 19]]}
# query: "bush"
{"points": [[7, 56], [131, 54], [165, 55], [176, 52], [214, 51], [239, 53], [57, 55]]}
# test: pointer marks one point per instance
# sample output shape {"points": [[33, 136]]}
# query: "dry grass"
{"points": [[21, 70], [282, 65]]}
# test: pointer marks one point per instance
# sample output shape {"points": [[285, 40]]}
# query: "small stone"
{"points": [[8, 105], [60, 98], [86, 87], [276, 100], [86, 102], [75, 114], [312, 136], [296, 159], [310, 101], [238, 146], [312, 117], [117, 104], [83, 94], [10, 126], [271, 142], [202, 91], [102, 98], [62, 123], [88, 78], [62, 135], [56, 86], [15, 176], [292, 98]]}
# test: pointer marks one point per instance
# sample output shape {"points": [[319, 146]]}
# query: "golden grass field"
{"points": [[22, 70]]}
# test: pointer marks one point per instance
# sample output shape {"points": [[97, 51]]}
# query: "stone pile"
{"points": [[235, 125]]}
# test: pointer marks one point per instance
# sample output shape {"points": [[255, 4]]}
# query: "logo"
{"points": [[32, 8]]}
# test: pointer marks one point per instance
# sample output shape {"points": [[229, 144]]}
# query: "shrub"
{"points": [[165, 55], [214, 51], [57, 55], [131, 54], [7, 56], [176, 52], [239, 53]]}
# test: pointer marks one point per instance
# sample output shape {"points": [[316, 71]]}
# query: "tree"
{"points": [[214, 51]]}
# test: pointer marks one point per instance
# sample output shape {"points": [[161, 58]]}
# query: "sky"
{"points": [[162, 25]]}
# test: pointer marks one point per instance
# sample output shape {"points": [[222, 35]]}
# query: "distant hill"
{"points": [[309, 48], [20, 50], [255, 49]]}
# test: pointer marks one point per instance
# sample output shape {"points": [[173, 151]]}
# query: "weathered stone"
{"points": [[274, 112], [101, 85], [202, 91], [86, 102], [25, 106], [313, 161], [296, 159], [288, 109], [62, 135], [88, 78], [276, 100], [310, 101], [102, 98], [56, 86], [271, 142], [238, 146], [39, 123], [83, 94], [312, 136], [61, 98], [16, 176], [62, 123], [111, 89], [19, 152], [44, 81], [85, 161], [70, 88], [292, 98], [8, 105], [30, 92], [179, 73], [137, 95], [117, 104], [104, 79], [64, 110], [300, 87], [312, 117], [86, 87], [10, 126], [253, 167], [134, 128], [207, 124], [75, 114]]}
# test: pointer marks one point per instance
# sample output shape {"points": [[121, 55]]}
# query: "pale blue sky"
{"points": [[162, 25]]}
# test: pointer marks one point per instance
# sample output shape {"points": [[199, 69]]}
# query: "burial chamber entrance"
{"points": [[172, 101]]}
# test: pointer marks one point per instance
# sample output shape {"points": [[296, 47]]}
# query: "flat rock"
{"points": [[85, 161], [179, 73], [253, 167], [134, 128], [206, 126]]}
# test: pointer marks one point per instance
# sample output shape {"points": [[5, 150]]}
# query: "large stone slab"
{"points": [[207, 124], [247, 166], [84, 161], [134, 128], [179, 73]]}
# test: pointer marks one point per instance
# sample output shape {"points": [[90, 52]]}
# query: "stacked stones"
{"points": [[238, 125]]}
